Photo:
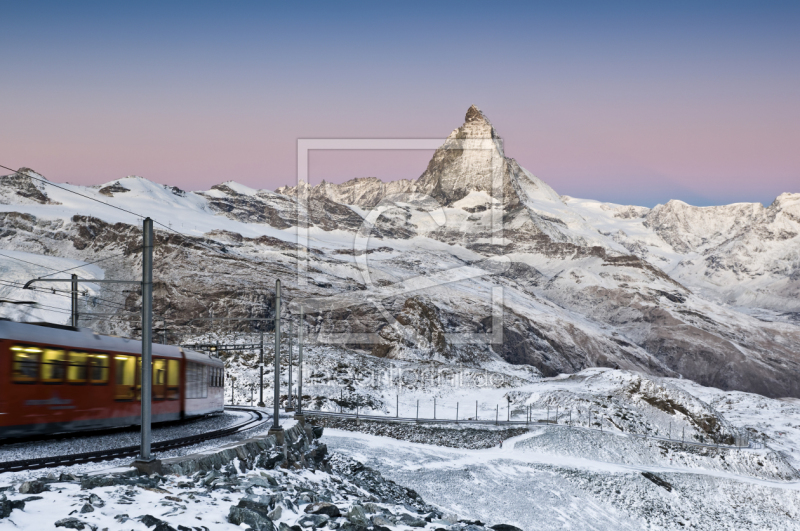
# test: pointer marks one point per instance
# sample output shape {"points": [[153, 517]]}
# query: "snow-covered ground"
{"points": [[536, 489]]}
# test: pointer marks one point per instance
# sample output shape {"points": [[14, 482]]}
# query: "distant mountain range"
{"points": [[408, 269]]}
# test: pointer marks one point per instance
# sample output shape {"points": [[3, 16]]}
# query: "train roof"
{"points": [[85, 338]]}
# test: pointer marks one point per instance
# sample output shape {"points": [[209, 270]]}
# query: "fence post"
{"points": [[497, 415], [476, 410], [570, 417], [456, 412], [556, 414], [548, 414], [397, 408], [434, 408], [417, 409]]}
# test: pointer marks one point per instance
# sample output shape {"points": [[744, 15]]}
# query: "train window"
{"points": [[173, 379], [53, 366], [76, 369], [98, 373], [124, 370], [159, 378], [196, 380], [26, 362]]}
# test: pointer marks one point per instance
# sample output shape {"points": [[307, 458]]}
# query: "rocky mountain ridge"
{"points": [[436, 268]]}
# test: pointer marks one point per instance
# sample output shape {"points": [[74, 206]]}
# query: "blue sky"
{"points": [[622, 101]]}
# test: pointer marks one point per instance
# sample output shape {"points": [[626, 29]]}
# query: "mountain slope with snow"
{"points": [[476, 262]]}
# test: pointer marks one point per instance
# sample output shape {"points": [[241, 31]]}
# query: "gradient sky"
{"points": [[629, 102]]}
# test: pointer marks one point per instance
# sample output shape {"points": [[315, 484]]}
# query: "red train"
{"points": [[57, 379]]}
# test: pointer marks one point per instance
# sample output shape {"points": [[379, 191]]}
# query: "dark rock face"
{"points": [[23, 187], [115, 188]]}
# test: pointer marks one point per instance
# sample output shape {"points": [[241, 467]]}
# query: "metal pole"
{"points": [[300, 364], [397, 408], [476, 410], [277, 395], [417, 410], [456, 412], [497, 414], [508, 412], [147, 335], [434, 408], [570, 417], [75, 300], [290, 402], [556, 414], [261, 372]]}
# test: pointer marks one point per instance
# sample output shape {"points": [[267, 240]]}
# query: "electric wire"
{"points": [[186, 237]]}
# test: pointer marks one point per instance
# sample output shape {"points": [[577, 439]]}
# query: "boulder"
{"points": [[357, 515], [74, 523], [258, 522], [313, 520], [262, 504], [411, 521], [328, 509], [33, 487]]}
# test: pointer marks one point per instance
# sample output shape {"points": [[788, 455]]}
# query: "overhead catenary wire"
{"points": [[59, 292], [167, 227], [187, 238]]}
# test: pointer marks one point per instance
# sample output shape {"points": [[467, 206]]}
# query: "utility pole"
{"points": [[298, 414], [276, 425], [261, 371], [75, 300], [289, 401], [145, 462]]}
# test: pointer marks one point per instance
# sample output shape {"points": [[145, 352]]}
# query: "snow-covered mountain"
{"points": [[410, 269]]}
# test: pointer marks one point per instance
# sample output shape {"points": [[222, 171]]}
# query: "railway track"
{"points": [[256, 417]]}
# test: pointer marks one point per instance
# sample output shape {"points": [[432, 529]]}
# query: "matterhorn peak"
{"points": [[474, 114]]}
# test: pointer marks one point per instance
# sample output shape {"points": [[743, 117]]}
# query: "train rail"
{"points": [[256, 418]]}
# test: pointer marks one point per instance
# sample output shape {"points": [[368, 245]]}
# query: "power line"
{"points": [[90, 263], [65, 270], [25, 261], [58, 292], [45, 181], [71, 191], [197, 241]]}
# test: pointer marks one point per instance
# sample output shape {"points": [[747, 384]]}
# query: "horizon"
{"points": [[623, 103]]}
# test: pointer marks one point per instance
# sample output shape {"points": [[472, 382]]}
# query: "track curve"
{"points": [[256, 417]]}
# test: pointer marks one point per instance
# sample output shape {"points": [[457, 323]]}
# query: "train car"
{"points": [[57, 379]]}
